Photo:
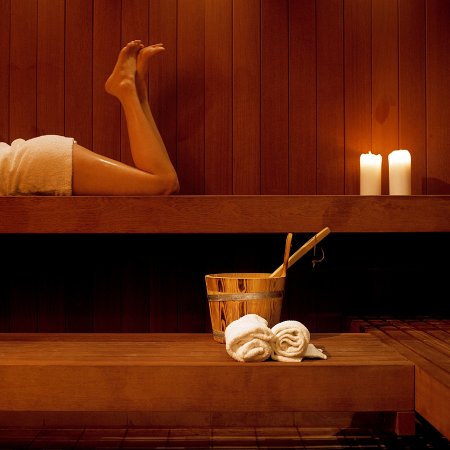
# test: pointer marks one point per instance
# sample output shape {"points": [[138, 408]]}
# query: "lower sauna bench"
{"points": [[189, 379]]}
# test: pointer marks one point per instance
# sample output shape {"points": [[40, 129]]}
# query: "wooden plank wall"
{"points": [[132, 283], [251, 96]]}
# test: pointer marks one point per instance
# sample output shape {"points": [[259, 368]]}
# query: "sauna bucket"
{"points": [[233, 295]]}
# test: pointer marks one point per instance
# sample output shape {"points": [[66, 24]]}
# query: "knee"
{"points": [[170, 185]]}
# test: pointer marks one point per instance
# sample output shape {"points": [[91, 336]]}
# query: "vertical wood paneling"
{"points": [[5, 290], [134, 26], [218, 116], [190, 285], [24, 290], [135, 14], [162, 285], [7, 285], [78, 71], [191, 139], [357, 91], [384, 82], [191, 96], [302, 97], [24, 305], [4, 308], [108, 271], [246, 96], [135, 296], [251, 97], [163, 101], [330, 97], [107, 16], [23, 51], [412, 85], [224, 121], [50, 294], [136, 299], [4, 69], [438, 100], [78, 307], [106, 47], [274, 97], [79, 281], [223, 114], [51, 317], [50, 67], [218, 97], [163, 72]]}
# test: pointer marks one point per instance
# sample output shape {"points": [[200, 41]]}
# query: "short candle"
{"points": [[370, 174], [399, 172]]}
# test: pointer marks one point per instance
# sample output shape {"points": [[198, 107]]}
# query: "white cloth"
{"points": [[37, 166], [249, 339], [291, 342]]}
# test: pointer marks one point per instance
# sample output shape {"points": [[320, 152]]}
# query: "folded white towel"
{"points": [[249, 339], [37, 166], [291, 342]]}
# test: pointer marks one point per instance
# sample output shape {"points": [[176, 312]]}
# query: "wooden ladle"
{"points": [[287, 251], [300, 252]]}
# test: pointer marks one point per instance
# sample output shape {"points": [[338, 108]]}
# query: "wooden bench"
{"points": [[225, 214], [426, 343], [176, 375]]}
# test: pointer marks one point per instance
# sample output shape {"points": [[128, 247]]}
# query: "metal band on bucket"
{"points": [[245, 296]]}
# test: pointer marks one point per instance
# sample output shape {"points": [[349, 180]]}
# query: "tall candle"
{"points": [[399, 172], [370, 174]]}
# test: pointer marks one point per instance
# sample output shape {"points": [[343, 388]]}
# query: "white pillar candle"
{"points": [[370, 174], [399, 172]]}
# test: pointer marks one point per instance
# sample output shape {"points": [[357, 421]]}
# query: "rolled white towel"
{"points": [[249, 339], [291, 342], [313, 352]]}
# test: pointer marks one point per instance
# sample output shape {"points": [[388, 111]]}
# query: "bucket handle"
{"points": [[305, 248]]}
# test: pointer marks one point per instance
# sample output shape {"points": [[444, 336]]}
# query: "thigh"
{"points": [[95, 174]]}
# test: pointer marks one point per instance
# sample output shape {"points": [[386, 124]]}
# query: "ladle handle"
{"points": [[305, 248], [287, 251]]}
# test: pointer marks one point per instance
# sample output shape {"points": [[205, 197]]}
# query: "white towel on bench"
{"points": [[291, 342], [249, 339], [37, 166]]}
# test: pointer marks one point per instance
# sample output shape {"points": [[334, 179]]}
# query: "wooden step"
{"points": [[193, 373]]}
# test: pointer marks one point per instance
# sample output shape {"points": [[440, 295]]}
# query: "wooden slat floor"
{"points": [[220, 438], [425, 342]]}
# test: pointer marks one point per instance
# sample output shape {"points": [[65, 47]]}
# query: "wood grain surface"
{"points": [[251, 97], [224, 214], [170, 372], [427, 344]]}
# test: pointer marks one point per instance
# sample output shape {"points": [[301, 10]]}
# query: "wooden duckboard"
{"points": [[193, 373], [426, 343]]}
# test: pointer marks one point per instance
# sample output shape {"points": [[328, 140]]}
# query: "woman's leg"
{"points": [[142, 69], [154, 174]]}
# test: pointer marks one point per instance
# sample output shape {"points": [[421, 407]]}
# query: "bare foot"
{"points": [[142, 67], [144, 56], [122, 78]]}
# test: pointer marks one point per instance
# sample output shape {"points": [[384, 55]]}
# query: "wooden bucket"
{"points": [[233, 295]]}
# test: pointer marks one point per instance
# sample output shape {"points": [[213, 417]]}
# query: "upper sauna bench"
{"points": [[225, 214]]}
